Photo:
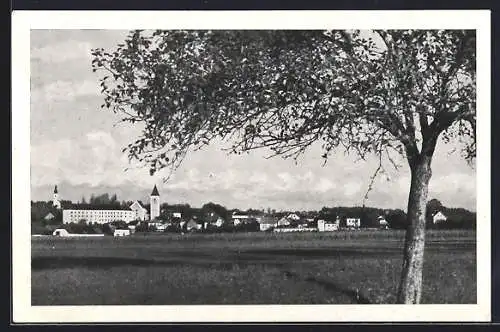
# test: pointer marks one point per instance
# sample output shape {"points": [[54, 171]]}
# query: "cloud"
{"points": [[352, 188], [462, 185], [62, 51], [94, 159], [324, 185], [59, 91]]}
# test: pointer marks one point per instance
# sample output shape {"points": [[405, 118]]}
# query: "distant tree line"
{"points": [[368, 215], [396, 218], [457, 218]]}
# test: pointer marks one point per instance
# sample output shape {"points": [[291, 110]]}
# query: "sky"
{"points": [[77, 145]]}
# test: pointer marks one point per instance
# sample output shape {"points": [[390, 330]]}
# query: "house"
{"points": [[293, 217], [103, 214], [310, 220], [213, 219], [238, 219], [60, 232], [160, 227], [438, 217], [267, 223], [121, 232], [192, 225], [65, 233], [219, 222], [182, 223], [353, 223], [284, 222], [140, 212], [328, 225], [49, 216], [266, 226], [382, 222]]}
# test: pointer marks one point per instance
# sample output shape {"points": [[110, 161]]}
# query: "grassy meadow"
{"points": [[348, 267]]}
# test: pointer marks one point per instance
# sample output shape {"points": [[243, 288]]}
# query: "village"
{"points": [[105, 219]]}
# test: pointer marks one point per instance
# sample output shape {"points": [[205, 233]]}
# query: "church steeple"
{"points": [[155, 192], [55, 199], [154, 200]]}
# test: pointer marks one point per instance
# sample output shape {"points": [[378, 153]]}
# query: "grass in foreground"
{"points": [[312, 268]]}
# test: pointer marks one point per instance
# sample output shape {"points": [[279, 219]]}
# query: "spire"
{"points": [[155, 192], [55, 189]]}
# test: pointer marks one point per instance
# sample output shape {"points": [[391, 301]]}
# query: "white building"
{"points": [[49, 216], [353, 222], [121, 232], [284, 222], [266, 226], [65, 233], [97, 216], [60, 232], [193, 225], [438, 217], [382, 222], [154, 204], [55, 199], [328, 226], [140, 212], [267, 222], [238, 218], [93, 214]]}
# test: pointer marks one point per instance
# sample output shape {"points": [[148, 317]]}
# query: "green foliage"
{"points": [[248, 225], [385, 93], [108, 229], [285, 90], [397, 219], [186, 211], [217, 209], [40, 228], [41, 209], [82, 228], [119, 224], [103, 199]]}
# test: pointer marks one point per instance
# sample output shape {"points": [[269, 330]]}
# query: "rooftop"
{"points": [[155, 192], [94, 207]]}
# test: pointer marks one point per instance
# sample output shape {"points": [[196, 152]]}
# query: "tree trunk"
{"points": [[410, 287]]}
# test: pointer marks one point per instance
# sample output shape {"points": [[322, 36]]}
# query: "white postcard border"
{"points": [[23, 21]]}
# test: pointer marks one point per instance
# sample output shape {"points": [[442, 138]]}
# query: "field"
{"points": [[247, 268]]}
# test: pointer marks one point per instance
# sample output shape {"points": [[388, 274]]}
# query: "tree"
{"points": [[397, 219], [378, 92], [433, 206], [217, 209]]}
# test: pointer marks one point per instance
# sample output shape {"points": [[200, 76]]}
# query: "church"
{"points": [[107, 214]]}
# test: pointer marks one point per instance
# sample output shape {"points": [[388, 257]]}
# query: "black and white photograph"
{"points": [[297, 166]]}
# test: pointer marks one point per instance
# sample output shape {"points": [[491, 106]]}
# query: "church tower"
{"points": [[55, 199], [154, 204]]}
